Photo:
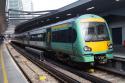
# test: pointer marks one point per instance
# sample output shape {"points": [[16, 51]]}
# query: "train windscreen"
{"points": [[95, 31]]}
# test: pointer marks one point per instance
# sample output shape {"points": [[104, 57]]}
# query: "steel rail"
{"points": [[111, 70]]}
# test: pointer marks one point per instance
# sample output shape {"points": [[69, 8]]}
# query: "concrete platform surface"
{"points": [[119, 51], [33, 72], [9, 72]]}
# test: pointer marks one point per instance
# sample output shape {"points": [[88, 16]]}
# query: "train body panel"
{"points": [[63, 47], [96, 26], [62, 38], [38, 44], [98, 47]]}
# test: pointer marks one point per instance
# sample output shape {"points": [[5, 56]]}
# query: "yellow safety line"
{"points": [[3, 67], [0, 59]]}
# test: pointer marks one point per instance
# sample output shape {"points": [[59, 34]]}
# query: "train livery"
{"points": [[86, 39]]}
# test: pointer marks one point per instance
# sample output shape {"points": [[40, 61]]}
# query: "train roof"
{"points": [[75, 9]]}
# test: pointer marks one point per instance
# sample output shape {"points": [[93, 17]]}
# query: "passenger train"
{"points": [[84, 39]]}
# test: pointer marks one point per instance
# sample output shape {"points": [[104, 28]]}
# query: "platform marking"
{"points": [[3, 67], [42, 77], [0, 59]]}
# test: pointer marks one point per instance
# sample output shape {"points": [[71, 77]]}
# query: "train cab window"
{"points": [[102, 32], [91, 30], [100, 29], [96, 31]]}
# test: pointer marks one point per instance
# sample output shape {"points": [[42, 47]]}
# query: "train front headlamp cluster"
{"points": [[110, 46], [86, 48]]}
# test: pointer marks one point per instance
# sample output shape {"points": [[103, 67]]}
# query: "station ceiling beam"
{"points": [[2, 15], [73, 10], [19, 19], [31, 11], [24, 15]]}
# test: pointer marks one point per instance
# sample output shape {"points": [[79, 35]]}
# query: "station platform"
{"points": [[9, 72], [119, 52]]}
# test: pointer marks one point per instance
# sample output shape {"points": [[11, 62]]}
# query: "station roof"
{"points": [[75, 9], [2, 15]]}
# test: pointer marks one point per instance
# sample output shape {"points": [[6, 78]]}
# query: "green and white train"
{"points": [[86, 39]]}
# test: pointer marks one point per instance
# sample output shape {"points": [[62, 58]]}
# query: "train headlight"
{"points": [[110, 46], [86, 48]]}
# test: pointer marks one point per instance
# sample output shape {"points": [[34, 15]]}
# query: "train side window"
{"points": [[65, 36], [33, 37], [72, 35], [44, 36], [38, 37]]}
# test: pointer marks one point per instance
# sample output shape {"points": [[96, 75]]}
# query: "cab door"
{"points": [[48, 39]]}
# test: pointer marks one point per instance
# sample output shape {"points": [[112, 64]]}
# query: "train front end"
{"points": [[95, 42]]}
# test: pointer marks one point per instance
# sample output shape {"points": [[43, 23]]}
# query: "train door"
{"points": [[28, 38], [117, 36], [48, 39]]}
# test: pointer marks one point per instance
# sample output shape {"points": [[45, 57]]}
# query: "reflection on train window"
{"points": [[100, 29], [91, 30]]}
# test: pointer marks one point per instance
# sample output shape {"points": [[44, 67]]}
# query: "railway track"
{"points": [[111, 70], [98, 76], [48, 67], [107, 74]]}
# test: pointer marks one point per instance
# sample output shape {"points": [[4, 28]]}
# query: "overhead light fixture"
{"points": [[57, 17], [90, 8], [42, 21], [69, 14], [117, 0]]}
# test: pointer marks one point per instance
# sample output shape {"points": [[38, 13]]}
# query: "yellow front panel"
{"points": [[92, 20], [66, 25], [99, 46]]}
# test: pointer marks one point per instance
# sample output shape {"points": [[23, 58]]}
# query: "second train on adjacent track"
{"points": [[84, 39]]}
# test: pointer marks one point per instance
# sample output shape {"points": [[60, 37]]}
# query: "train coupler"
{"points": [[101, 59]]}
